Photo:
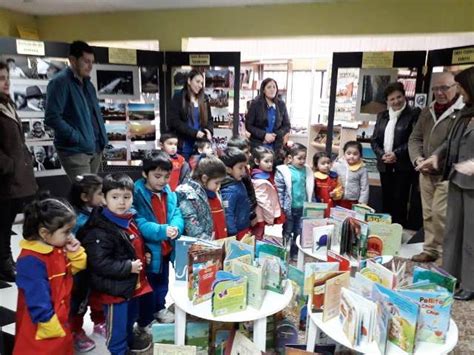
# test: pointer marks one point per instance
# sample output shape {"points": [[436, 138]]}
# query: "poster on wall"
{"points": [[37, 130], [142, 131], [45, 159], [149, 80], [140, 111], [29, 96], [113, 111], [346, 94], [116, 131], [26, 67], [116, 82]]}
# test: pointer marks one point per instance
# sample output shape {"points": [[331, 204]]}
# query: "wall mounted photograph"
{"points": [[29, 96], [117, 82], [142, 131], [112, 111], [116, 131], [138, 112], [149, 80]]}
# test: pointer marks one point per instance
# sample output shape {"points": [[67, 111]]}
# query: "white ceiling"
{"points": [[56, 7]]}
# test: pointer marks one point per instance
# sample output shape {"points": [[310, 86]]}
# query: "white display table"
{"points": [[272, 303], [321, 255], [333, 329]]}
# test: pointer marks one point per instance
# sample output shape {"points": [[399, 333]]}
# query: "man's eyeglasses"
{"points": [[442, 88]]}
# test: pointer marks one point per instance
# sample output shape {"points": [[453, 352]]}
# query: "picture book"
{"points": [[247, 259], [197, 334], [349, 317], [277, 251], [311, 268], [384, 239], [318, 292], [272, 272], [382, 324], [344, 262], [167, 349], [340, 213], [181, 257], [229, 293], [362, 285], [378, 217], [332, 295], [225, 242], [163, 333], [314, 209], [248, 239], [379, 274], [435, 313], [354, 235], [435, 275], [307, 230], [239, 344], [220, 333], [322, 237], [403, 321], [237, 249], [361, 210], [297, 276], [255, 286]]}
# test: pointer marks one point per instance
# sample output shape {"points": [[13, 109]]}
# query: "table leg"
{"points": [[311, 335], [300, 261], [180, 325], [260, 333]]}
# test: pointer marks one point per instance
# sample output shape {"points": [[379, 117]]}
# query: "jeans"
{"points": [[292, 228]]}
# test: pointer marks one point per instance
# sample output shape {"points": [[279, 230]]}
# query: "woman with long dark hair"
{"points": [[267, 119], [189, 115]]}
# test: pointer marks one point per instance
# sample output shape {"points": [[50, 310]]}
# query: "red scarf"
{"points": [[439, 109]]}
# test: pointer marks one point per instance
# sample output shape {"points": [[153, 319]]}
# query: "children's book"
{"points": [[181, 257], [249, 240], [378, 217], [382, 324], [349, 317], [354, 235], [297, 276], [225, 242], [277, 251], [379, 274], [237, 249], [403, 321], [384, 239], [322, 237], [247, 259], [435, 312], [163, 333], [435, 275], [362, 285], [272, 272], [362, 210], [167, 349], [314, 209], [229, 293], [319, 287], [197, 334], [239, 344], [311, 268], [344, 263], [307, 230], [332, 295], [220, 333], [341, 213], [256, 285]]}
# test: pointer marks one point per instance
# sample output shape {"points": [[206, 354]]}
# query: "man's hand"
{"points": [[465, 167], [269, 138], [428, 165], [389, 158]]}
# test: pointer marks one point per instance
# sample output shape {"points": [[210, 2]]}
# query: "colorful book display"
{"points": [[384, 239], [229, 293], [255, 278]]}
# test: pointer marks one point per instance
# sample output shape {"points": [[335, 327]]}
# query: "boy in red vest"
{"points": [[181, 170]]}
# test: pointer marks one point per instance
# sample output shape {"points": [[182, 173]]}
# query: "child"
{"points": [[200, 203], [116, 255], [244, 146], [328, 188], [160, 222], [86, 194], [268, 209], [234, 194], [49, 257], [204, 149], [181, 169], [295, 185], [353, 175]]}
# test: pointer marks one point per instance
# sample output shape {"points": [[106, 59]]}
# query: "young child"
{"points": [[86, 194], [234, 194], [200, 203], [244, 146], [203, 148], [116, 256], [160, 222], [268, 205], [354, 176], [327, 187], [49, 257], [295, 185], [181, 169]]}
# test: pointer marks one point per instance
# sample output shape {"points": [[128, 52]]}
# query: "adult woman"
{"points": [[189, 115], [458, 156], [17, 181], [267, 119], [390, 144]]}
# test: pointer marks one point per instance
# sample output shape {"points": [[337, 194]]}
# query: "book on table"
{"points": [[229, 293]]}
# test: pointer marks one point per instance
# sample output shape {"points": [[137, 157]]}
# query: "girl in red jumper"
{"points": [[49, 257], [328, 188], [268, 208]]}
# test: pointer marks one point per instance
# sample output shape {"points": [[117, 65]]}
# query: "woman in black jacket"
{"points": [[189, 115], [267, 119], [17, 181], [390, 144]]}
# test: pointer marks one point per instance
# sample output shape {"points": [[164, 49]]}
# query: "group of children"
{"points": [[111, 251]]}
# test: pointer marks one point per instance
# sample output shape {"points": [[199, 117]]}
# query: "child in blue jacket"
{"points": [[160, 222], [234, 194]]}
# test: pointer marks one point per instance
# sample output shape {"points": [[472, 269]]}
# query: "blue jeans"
{"points": [[119, 319], [153, 302], [292, 227]]}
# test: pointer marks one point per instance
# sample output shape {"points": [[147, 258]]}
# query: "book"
{"points": [[220, 333], [163, 333], [384, 239], [344, 263], [318, 292], [297, 276], [382, 324], [272, 272], [379, 274], [378, 217], [308, 224], [247, 259], [311, 268], [182, 245], [322, 237], [278, 251], [229, 293], [197, 334], [361, 210], [237, 249], [332, 295], [349, 317], [354, 235], [435, 275], [167, 349], [314, 209], [239, 344], [255, 286]]}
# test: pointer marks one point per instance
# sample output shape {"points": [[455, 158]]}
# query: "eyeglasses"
{"points": [[442, 88]]}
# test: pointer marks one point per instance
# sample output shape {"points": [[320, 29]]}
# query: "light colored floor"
{"points": [[8, 296]]}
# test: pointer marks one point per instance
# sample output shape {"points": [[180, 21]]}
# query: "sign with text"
{"points": [[463, 55], [27, 47], [377, 60], [123, 56], [199, 59]]}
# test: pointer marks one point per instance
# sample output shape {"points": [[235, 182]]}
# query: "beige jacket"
{"points": [[429, 133]]}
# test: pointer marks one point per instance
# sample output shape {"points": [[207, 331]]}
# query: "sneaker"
{"points": [[82, 343], [165, 316], [101, 329], [141, 339]]}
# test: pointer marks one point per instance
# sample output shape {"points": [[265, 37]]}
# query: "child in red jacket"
{"points": [[181, 170], [328, 188]]}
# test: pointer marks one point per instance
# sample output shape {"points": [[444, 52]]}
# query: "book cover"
{"points": [[220, 333], [322, 237], [197, 334], [279, 252], [382, 324], [344, 263], [354, 235], [307, 230], [349, 317], [237, 249], [297, 276], [163, 333], [378, 217], [255, 286], [379, 274], [241, 345], [314, 209], [332, 295], [361, 210], [272, 272], [181, 257], [229, 294], [435, 275], [167, 349], [311, 268], [247, 259], [384, 239], [403, 321], [319, 288]]}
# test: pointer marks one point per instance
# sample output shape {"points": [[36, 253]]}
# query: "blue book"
{"points": [[181, 259]]}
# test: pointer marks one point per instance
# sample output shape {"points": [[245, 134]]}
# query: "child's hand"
{"points": [[137, 266], [72, 245], [148, 258], [332, 193], [171, 232]]}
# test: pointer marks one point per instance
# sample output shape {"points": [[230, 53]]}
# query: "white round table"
{"points": [[333, 329], [321, 254], [272, 303]]}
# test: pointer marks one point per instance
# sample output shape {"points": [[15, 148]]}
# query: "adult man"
{"points": [[430, 132], [72, 110]]}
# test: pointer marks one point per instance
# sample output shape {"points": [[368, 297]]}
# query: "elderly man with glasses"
{"points": [[431, 130]]}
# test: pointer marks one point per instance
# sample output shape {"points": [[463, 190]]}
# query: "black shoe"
{"points": [[463, 295], [141, 341]]}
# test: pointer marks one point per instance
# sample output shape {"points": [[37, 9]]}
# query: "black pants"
{"points": [[8, 211], [396, 187]]}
